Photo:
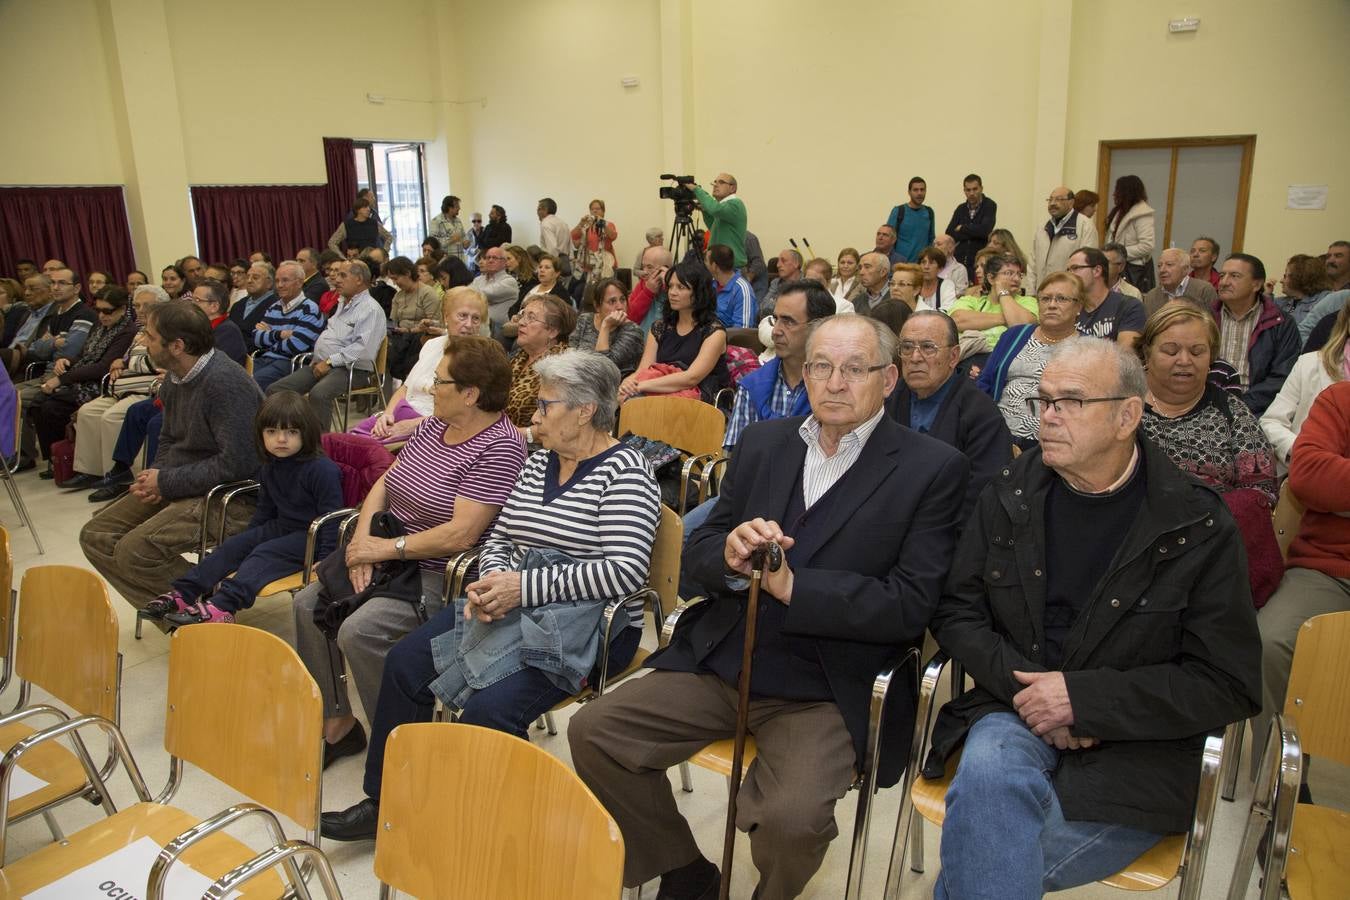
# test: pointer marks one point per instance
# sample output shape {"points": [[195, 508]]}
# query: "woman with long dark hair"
{"points": [[1130, 223], [686, 350]]}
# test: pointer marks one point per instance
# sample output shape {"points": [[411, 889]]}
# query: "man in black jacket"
{"points": [[838, 612], [1100, 601], [935, 399], [972, 222]]}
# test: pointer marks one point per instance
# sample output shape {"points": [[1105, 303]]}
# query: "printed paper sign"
{"points": [[1306, 196], [122, 875]]}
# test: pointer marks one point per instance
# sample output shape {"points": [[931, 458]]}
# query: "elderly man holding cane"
{"points": [[838, 610]]}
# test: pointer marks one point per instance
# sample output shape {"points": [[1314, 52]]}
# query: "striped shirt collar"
{"points": [[852, 442]]}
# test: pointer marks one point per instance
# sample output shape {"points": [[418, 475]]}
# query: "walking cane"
{"points": [[772, 556]]}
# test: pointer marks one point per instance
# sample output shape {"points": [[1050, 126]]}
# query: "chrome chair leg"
{"points": [[20, 507], [686, 780], [1232, 762]]}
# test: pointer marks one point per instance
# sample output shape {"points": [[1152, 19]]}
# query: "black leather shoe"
{"points": [[355, 823], [80, 482], [109, 493], [698, 880], [114, 479], [351, 743], [48, 473]]}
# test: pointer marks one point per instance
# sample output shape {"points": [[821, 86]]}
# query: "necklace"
{"points": [[1167, 410], [1046, 339]]}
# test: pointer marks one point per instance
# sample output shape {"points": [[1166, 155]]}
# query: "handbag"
{"points": [[134, 385]]}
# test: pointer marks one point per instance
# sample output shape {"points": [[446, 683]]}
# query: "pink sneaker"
{"points": [[170, 602], [202, 612]]}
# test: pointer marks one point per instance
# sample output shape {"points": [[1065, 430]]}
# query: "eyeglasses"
{"points": [[785, 321], [1056, 299], [720, 181], [532, 319], [852, 372], [927, 349], [437, 381], [1037, 405], [1057, 199], [542, 405]]}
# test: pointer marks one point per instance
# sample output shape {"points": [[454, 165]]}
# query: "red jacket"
{"points": [[1319, 475]]}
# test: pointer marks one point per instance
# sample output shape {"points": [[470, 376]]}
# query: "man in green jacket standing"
{"points": [[725, 214]]}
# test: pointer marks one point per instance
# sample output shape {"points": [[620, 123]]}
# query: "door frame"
{"points": [[1246, 141]]}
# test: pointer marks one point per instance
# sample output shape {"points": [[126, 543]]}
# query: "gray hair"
{"points": [[953, 336], [582, 377], [797, 256], [1177, 251], [1114, 247], [1092, 352], [161, 296], [359, 269], [292, 264], [270, 272], [887, 341], [654, 236]]}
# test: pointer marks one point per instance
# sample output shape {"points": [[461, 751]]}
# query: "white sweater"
{"points": [[1284, 417]]}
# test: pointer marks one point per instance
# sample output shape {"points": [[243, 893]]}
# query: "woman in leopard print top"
{"points": [[545, 324]]}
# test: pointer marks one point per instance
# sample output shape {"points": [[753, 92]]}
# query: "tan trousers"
{"points": [[138, 547], [97, 425], [623, 743]]}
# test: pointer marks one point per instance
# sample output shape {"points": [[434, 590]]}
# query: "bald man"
{"points": [[1064, 234]]}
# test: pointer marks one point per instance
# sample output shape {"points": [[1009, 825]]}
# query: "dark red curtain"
{"points": [[84, 227], [234, 221], [341, 188]]}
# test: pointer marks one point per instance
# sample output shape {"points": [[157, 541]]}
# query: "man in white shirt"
{"points": [[554, 235], [496, 284], [953, 271]]}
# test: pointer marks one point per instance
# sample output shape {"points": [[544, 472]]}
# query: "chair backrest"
{"points": [[1318, 699], [360, 459], [1288, 515], [67, 638], [691, 425], [243, 707], [382, 358], [664, 577], [469, 812]]}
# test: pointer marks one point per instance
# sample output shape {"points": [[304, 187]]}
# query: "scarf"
{"points": [[94, 347]]}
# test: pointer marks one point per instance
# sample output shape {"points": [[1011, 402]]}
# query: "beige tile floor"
{"points": [[60, 515]]}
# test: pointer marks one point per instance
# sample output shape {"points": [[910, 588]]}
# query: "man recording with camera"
{"points": [[725, 215]]}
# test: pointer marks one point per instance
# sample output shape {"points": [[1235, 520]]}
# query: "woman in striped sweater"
{"points": [[576, 532]]}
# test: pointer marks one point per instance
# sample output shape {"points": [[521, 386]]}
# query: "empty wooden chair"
{"points": [[472, 813], [242, 707], [1306, 852], [66, 645], [691, 426]]}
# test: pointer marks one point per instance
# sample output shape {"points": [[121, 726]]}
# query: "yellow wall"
{"points": [[1279, 71], [822, 111]]}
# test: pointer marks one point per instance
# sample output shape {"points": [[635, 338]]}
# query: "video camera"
{"points": [[680, 194]]}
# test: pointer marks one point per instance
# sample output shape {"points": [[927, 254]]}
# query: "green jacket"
{"points": [[727, 221]]}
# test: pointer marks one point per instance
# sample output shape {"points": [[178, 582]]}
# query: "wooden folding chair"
{"points": [[1305, 853], [716, 757], [469, 812], [257, 726], [1175, 856], [692, 426], [65, 644], [1287, 516]]}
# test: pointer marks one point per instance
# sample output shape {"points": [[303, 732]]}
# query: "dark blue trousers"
{"points": [[510, 705], [257, 557], [141, 426]]}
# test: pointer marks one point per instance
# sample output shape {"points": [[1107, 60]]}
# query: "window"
{"points": [[396, 172]]}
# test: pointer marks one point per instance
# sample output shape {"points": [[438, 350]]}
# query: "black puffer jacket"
{"points": [[1166, 650]]}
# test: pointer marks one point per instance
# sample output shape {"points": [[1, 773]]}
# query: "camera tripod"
{"points": [[684, 236]]}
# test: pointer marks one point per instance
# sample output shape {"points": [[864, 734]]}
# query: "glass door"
{"points": [[396, 173]]}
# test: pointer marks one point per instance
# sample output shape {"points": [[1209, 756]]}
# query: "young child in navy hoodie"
{"points": [[299, 484]]}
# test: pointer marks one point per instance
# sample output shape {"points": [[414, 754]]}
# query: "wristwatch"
{"points": [[1002, 294], [401, 545]]}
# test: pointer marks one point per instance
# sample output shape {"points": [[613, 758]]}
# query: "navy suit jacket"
{"points": [[969, 421], [862, 603]]}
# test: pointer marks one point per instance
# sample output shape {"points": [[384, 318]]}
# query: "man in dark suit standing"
{"points": [[837, 612], [972, 222], [935, 399]]}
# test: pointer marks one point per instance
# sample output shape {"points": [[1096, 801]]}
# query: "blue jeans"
{"points": [[509, 705], [141, 426], [267, 369], [1005, 835]]}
